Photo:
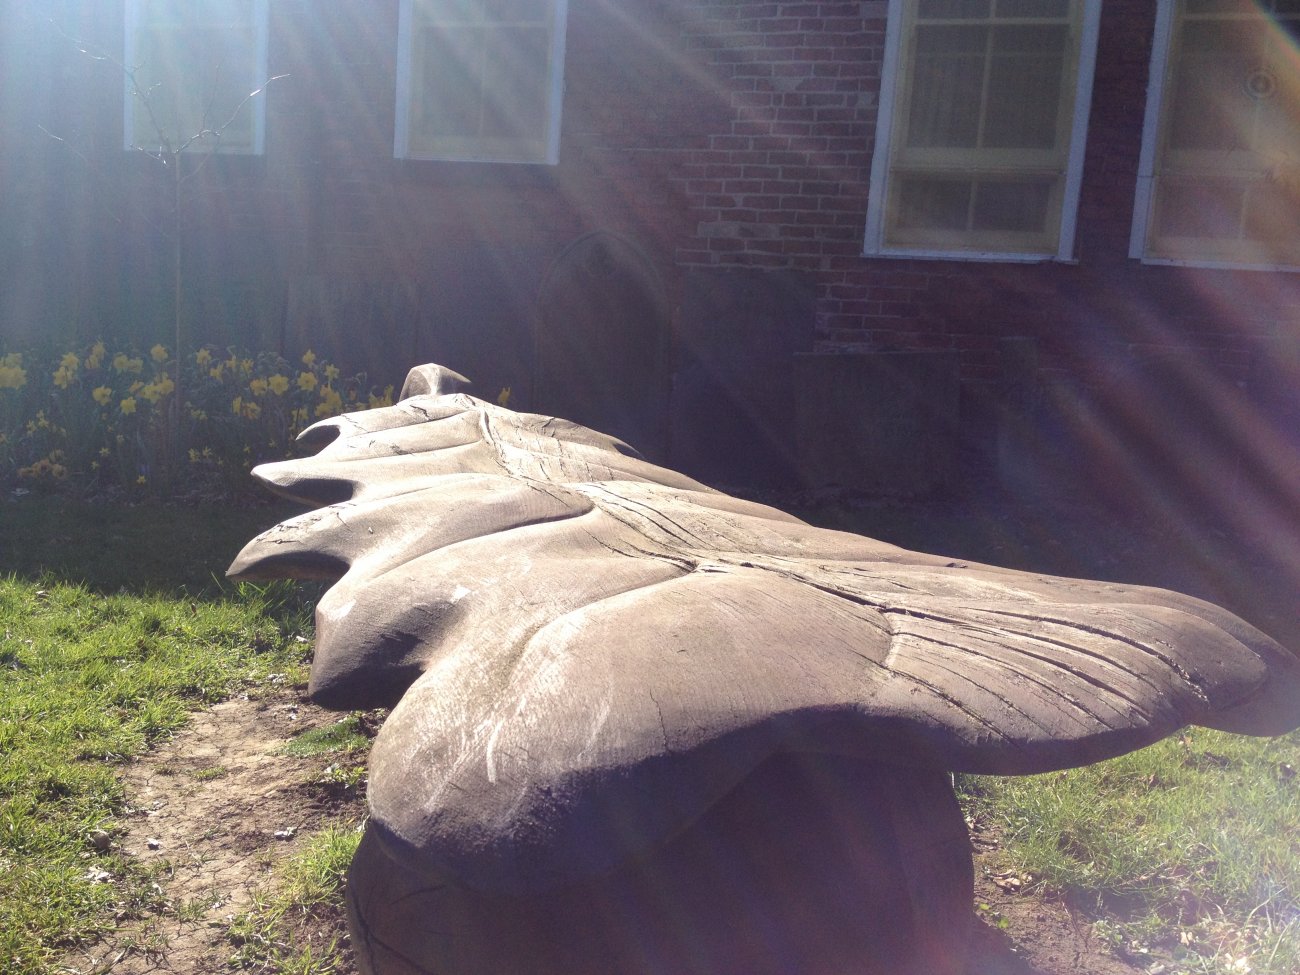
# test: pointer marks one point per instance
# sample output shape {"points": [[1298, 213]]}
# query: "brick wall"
{"points": [[734, 134]]}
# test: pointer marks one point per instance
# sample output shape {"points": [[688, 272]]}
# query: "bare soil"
{"points": [[214, 809]]}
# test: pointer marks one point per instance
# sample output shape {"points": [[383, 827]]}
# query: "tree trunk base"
{"points": [[813, 865]]}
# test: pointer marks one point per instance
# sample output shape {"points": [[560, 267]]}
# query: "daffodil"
{"points": [[331, 402], [331, 372], [124, 363], [102, 395], [69, 362], [309, 357], [278, 384], [158, 353], [127, 405], [202, 358], [12, 374], [257, 387], [307, 381], [95, 358]]}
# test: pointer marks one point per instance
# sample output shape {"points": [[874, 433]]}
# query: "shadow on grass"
{"points": [[146, 548]]}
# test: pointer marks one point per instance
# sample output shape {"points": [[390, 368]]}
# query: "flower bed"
{"points": [[103, 420]]}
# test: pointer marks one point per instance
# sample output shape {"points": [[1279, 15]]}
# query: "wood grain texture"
{"points": [[586, 651]]}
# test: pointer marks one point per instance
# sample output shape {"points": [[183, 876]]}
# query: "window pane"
{"points": [[952, 9], [195, 63], [451, 81], [517, 11], [1273, 212], [1024, 96], [934, 204], [482, 82], [1018, 206], [1201, 208], [1045, 9], [516, 89], [947, 85], [1211, 108]]}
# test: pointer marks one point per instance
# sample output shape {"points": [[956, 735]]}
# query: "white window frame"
{"points": [[405, 79], [878, 188], [1145, 195], [257, 79]]}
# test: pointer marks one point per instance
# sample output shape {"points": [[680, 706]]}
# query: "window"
{"points": [[1219, 176], [195, 63], [979, 144], [480, 80]]}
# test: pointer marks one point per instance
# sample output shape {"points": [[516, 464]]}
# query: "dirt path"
{"points": [[217, 806], [214, 810]]}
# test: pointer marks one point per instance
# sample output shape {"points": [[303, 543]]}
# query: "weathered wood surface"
{"points": [[586, 652]]}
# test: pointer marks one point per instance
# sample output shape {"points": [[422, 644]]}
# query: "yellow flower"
{"points": [[63, 377], [257, 387], [158, 353], [309, 357], [96, 355], [165, 385], [503, 397], [140, 479], [251, 410], [215, 371], [127, 405], [103, 451], [331, 373], [331, 402], [246, 366], [202, 358], [102, 395], [123, 363], [136, 387], [237, 405], [151, 392], [12, 374], [69, 362], [278, 384], [306, 381]]}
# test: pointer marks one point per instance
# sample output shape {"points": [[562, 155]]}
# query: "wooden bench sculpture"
{"points": [[640, 726]]}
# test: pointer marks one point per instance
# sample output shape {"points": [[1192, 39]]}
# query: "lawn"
{"points": [[115, 622]]}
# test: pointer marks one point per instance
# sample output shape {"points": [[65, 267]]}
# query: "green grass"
{"points": [[348, 735], [309, 882], [1191, 846], [102, 652]]}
